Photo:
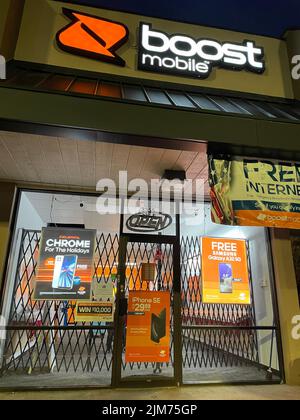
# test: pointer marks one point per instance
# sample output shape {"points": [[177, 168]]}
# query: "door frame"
{"points": [[126, 238]]}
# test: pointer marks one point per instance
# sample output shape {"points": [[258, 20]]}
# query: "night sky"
{"points": [[262, 17]]}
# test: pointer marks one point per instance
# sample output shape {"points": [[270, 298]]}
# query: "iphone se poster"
{"points": [[66, 264], [148, 327], [225, 274]]}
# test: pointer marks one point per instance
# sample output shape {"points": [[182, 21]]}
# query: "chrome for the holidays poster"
{"points": [[66, 264]]}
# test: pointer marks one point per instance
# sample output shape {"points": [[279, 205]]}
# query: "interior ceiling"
{"points": [[82, 209], [81, 164], [72, 209], [76, 209], [267, 17]]}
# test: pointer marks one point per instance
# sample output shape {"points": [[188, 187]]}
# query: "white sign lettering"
{"points": [[181, 54]]}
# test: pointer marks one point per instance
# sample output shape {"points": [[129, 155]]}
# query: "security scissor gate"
{"points": [[45, 347], [43, 338], [219, 341]]}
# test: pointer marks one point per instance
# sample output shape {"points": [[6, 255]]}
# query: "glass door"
{"points": [[147, 307]]}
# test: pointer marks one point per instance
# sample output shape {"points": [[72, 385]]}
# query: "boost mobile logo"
{"points": [[92, 37], [181, 54]]}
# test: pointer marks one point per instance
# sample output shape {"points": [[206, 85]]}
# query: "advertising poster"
{"points": [[102, 307], [66, 264], [225, 276], [94, 312], [255, 192], [148, 327]]}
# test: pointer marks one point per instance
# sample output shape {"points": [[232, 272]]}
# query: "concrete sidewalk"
{"points": [[261, 392]]}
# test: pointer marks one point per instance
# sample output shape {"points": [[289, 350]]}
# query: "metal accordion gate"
{"points": [[45, 347], [215, 337], [43, 338]]}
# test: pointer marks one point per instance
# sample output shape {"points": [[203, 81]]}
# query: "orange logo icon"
{"points": [[93, 37]]}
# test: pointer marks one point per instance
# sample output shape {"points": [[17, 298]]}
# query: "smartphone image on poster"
{"points": [[64, 272], [225, 273], [158, 326]]}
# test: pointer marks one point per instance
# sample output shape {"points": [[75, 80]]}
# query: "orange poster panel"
{"points": [[225, 275], [148, 327]]}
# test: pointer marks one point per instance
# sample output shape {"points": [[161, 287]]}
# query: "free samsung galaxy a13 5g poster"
{"points": [[225, 275], [66, 264]]}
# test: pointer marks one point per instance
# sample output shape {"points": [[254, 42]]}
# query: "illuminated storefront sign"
{"points": [[98, 38], [181, 54]]}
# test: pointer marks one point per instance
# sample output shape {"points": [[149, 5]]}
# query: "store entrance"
{"points": [[148, 350], [182, 339]]}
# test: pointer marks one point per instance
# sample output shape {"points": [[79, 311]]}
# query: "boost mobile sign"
{"points": [[181, 54], [158, 52]]}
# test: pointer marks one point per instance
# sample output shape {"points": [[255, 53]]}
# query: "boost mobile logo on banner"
{"points": [[181, 54], [93, 37]]}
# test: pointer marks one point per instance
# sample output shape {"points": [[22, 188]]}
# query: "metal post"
{"points": [[158, 369]]}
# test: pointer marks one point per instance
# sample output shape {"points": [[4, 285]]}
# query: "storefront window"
{"points": [[227, 353], [229, 339], [60, 354]]}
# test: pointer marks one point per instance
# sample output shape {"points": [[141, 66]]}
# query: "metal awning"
{"points": [[141, 92], [105, 108]]}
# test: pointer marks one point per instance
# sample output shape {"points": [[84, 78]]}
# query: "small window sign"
{"points": [[149, 222]]}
